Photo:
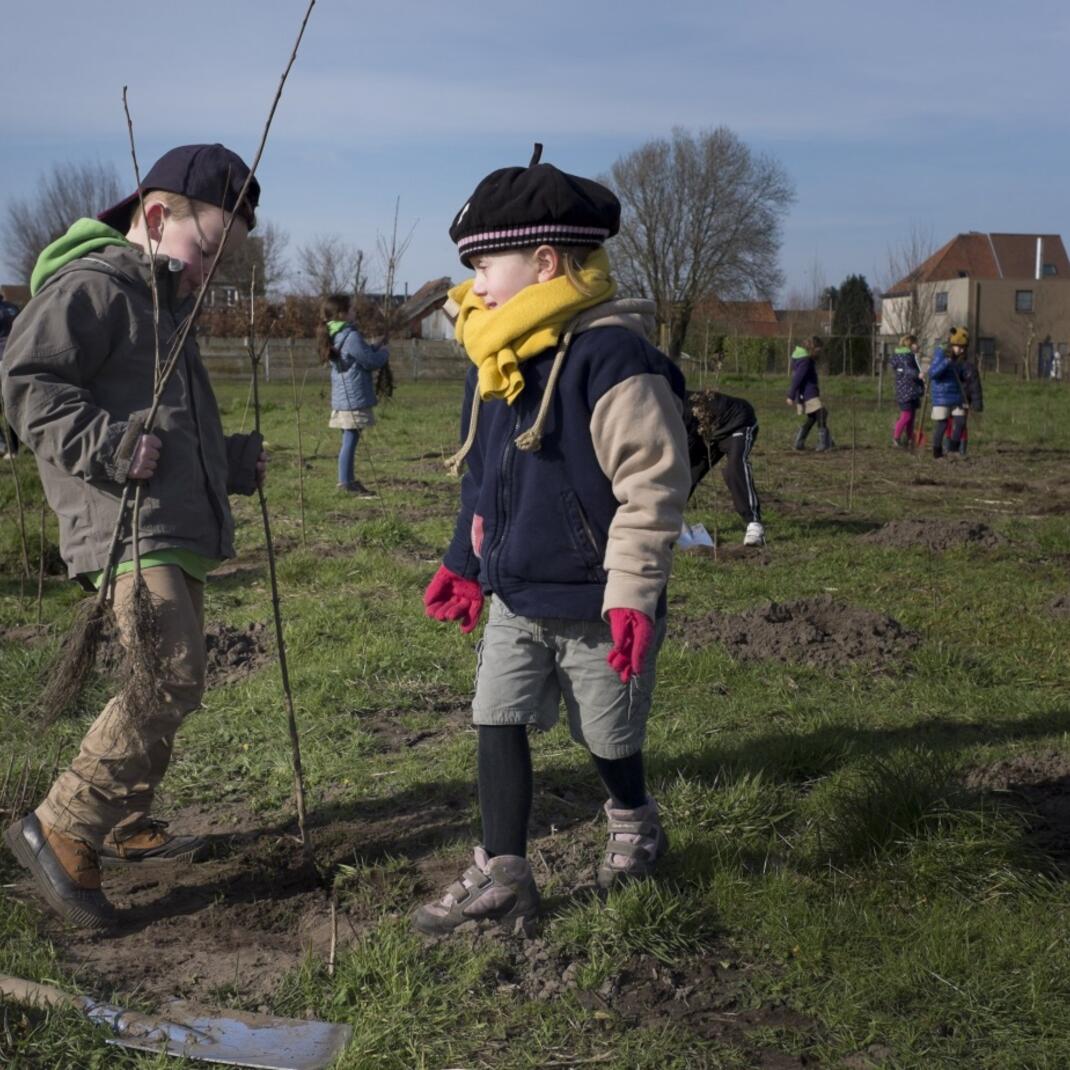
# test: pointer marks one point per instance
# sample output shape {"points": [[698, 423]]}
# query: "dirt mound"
{"points": [[1040, 784], [1059, 606], [936, 535], [234, 653], [815, 631]]}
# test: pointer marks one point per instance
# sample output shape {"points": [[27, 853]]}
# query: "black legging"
{"points": [[505, 786], [821, 418], [958, 425]]}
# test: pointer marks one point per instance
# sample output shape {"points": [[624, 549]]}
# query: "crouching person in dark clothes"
{"points": [[78, 375], [722, 426]]}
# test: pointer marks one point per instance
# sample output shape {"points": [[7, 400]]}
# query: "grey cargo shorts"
{"points": [[526, 666]]}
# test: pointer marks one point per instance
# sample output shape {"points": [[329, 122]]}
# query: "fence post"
{"points": [[414, 357]]}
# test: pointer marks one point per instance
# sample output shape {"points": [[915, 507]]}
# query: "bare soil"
{"points": [[936, 535], [234, 653], [1059, 606], [819, 631]]}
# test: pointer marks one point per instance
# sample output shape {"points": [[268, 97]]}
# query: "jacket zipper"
{"points": [[493, 562]]}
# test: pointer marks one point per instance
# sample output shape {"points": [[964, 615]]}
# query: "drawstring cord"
{"points": [[529, 441]]}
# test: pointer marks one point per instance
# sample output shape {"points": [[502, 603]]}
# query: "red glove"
{"points": [[633, 635], [452, 597]]}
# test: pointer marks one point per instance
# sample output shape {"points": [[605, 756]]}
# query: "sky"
{"points": [[888, 118]]}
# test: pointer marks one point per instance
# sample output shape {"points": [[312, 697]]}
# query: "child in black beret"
{"points": [[577, 477]]}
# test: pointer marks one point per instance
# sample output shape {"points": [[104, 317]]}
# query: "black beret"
{"points": [[518, 207]]}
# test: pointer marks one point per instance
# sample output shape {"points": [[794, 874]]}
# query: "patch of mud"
{"points": [[935, 535], [706, 995], [234, 653], [1039, 784], [392, 734], [236, 923], [1059, 606], [24, 634], [818, 631]]}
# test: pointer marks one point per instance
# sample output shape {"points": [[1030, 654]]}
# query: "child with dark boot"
{"points": [[805, 395], [973, 400], [722, 426], [78, 377], [909, 389], [577, 478]]}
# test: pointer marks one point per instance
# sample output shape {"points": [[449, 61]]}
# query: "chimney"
{"points": [[1040, 247]]}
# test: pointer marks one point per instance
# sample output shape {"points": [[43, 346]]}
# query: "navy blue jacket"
{"points": [[970, 377], [533, 526], [803, 380], [945, 385], [909, 387], [351, 380]]}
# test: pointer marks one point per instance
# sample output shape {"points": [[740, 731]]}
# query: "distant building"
{"points": [[423, 316], [1011, 291]]}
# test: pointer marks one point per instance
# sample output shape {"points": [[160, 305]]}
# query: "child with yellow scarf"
{"points": [[577, 476]]}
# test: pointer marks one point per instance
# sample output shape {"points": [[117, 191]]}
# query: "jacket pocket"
{"points": [[583, 537]]}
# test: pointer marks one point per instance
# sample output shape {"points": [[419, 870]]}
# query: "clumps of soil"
{"points": [[819, 631], [234, 653], [935, 535], [1059, 606], [1039, 783]]}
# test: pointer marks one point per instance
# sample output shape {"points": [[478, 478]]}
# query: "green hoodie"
{"points": [[800, 352], [83, 237]]}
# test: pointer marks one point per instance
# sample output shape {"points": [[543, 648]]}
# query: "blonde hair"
{"points": [[179, 205]]}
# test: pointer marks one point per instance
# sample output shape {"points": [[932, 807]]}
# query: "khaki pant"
{"points": [[528, 666], [124, 756]]}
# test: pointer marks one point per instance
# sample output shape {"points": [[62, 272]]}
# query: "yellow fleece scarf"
{"points": [[498, 339]]}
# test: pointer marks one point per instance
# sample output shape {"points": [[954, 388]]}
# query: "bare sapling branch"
{"points": [[276, 606]]}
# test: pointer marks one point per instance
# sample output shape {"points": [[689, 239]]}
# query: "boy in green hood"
{"points": [[78, 379]]}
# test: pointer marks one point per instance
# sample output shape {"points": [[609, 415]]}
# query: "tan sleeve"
{"points": [[641, 444]]}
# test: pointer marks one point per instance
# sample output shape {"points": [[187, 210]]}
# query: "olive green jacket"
{"points": [[77, 380]]}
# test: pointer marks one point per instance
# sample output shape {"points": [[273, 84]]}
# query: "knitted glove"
{"points": [[452, 597], [633, 636]]}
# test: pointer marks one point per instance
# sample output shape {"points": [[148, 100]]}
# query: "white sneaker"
{"points": [[755, 534]]}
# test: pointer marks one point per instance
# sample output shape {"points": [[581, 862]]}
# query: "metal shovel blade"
{"points": [[235, 1038]]}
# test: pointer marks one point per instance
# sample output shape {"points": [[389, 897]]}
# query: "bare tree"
{"points": [[701, 215], [908, 301], [65, 193], [263, 253], [328, 264]]}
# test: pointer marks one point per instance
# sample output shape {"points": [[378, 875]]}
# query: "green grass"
{"points": [[821, 824]]}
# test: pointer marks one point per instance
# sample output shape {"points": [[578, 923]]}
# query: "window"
{"points": [[1023, 300], [1048, 270], [986, 353], [940, 301]]}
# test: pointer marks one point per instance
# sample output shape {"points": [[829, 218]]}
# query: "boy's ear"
{"points": [[548, 262], [154, 217]]}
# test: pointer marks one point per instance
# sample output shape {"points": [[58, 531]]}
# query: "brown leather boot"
{"points": [[150, 844], [65, 870]]}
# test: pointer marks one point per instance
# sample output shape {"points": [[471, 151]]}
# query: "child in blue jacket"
{"points": [[577, 478], [352, 361], [946, 387], [804, 394]]}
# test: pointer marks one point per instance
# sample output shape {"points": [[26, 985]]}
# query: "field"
{"points": [[866, 783]]}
